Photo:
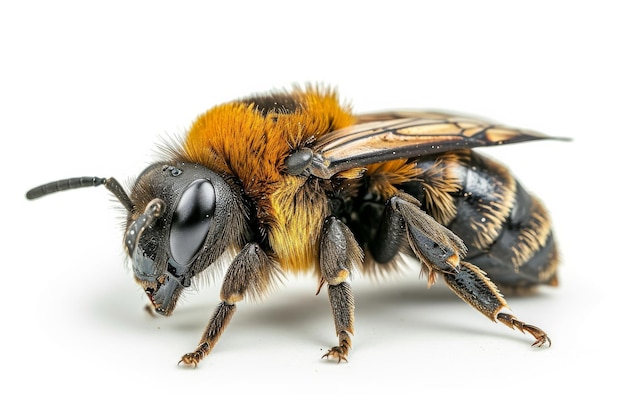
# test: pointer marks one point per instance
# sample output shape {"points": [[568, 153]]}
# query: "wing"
{"points": [[380, 137]]}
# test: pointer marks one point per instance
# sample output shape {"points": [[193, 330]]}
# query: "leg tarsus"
{"points": [[476, 289], [340, 352], [541, 338], [342, 304], [223, 313], [192, 359]]}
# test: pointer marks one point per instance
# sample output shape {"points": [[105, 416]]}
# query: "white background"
{"points": [[89, 89]]}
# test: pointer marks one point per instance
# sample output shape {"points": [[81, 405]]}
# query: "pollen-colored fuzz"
{"points": [[250, 141], [386, 176]]}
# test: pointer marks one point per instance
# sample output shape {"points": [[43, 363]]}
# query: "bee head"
{"points": [[181, 218], [184, 217]]}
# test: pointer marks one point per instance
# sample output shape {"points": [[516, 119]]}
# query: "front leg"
{"points": [[220, 319], [339, 255], [250, 272]]}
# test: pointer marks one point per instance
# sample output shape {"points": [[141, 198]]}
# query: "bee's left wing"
{"points": [[381, 137]]}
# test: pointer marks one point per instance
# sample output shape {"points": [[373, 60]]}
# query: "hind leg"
{"points": [[473, 286], [440, 252]]}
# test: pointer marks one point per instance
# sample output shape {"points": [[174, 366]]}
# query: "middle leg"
{"points": [[340, 254]]}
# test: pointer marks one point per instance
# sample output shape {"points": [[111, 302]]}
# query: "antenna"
{"points": [[111, 184]]}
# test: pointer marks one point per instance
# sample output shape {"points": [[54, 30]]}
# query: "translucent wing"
{"points": [[380, 137]]}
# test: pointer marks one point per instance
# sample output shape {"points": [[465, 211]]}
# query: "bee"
{"points": [[292, 181]]}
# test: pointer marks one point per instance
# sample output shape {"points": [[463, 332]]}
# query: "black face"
{"points": [[181, 230]]}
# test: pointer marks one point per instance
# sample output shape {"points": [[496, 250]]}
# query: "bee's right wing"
{"points": [[380, 137]]}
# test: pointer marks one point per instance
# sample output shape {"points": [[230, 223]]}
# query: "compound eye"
{"points": [[191, 221]]}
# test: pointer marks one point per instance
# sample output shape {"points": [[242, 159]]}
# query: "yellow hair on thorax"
{"points": [[299, 211]]}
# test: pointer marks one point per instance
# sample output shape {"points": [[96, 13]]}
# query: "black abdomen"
{"points": [[507, 231]]}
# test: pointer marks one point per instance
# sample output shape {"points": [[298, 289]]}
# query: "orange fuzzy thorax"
{"points": [[238, 140]]}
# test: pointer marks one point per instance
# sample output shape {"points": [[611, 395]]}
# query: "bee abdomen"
{"points": [[524, 254], [507, 231]]}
